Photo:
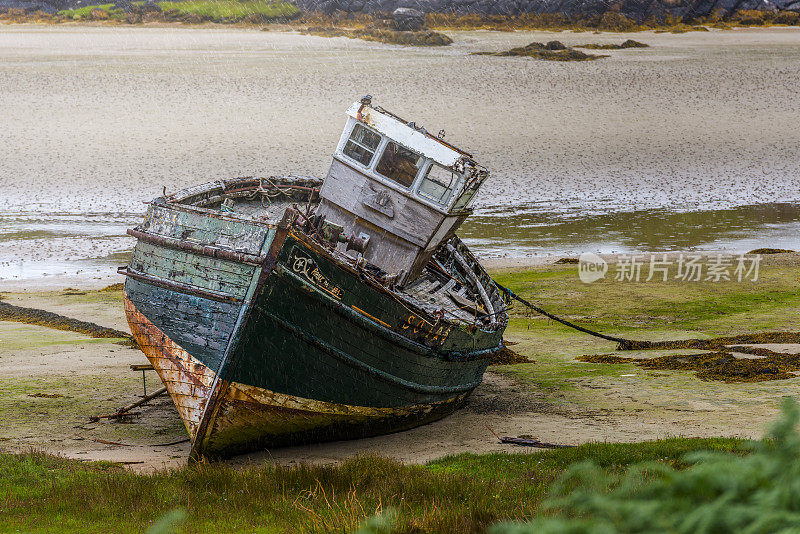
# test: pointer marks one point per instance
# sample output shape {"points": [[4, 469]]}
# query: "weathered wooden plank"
{"points": [[197, 330], [195, 265], [182, 223], [205, 265], [200, 311], [186, 268]]}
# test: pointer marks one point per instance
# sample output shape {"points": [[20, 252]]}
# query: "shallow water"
{"points": [[692, 143]]}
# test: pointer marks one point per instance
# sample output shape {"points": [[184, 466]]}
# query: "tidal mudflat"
{"points": [[556, 398], [690, 143]]}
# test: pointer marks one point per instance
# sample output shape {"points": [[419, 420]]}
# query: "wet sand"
{"points": [[97, 120], [691, 143]]}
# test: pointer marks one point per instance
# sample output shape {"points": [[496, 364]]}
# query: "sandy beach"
{"points": [[99, 120]]}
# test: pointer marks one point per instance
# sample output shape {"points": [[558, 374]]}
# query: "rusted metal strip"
{"points": [[196, 248], [177, 286]]}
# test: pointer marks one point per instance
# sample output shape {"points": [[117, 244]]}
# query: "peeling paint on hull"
{"points": [[187, 380], [278, 342], [249, 417]]}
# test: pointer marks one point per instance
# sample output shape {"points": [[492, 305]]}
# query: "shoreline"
{"points": [[91, 281]]}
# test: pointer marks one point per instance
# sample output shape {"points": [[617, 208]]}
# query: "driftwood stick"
{"points": [[532, 443], [130, 407], [104, 442], [527, 442], [173, 443]]}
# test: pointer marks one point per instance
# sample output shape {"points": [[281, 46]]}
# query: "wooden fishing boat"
{"points": [[291, 309]]}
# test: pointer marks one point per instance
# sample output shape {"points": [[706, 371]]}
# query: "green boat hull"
{"points": [[281, 343]]}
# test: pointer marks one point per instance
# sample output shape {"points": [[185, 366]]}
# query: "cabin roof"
{"points": [[406, 134]]}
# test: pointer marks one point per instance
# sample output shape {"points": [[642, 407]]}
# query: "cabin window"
{"points": [[438, 184], [362, 144], [399, 164], [465, 199]]}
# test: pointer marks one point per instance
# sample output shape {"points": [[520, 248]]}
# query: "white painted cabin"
{"points": [[406, 189]]}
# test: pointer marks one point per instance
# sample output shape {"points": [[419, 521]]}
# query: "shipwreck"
{"points": [[293, 309]]}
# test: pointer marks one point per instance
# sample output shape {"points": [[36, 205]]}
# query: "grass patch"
{"points": [[227, 10], [257, 11], [717, 492], [464, 493], [93, 12]]}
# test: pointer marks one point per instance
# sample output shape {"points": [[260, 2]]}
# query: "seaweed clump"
{"points": [[551, 51], [119, 286], [630, 43], [770, 251], [9, 312], [508, 356], [407, 38], [719, 364]]}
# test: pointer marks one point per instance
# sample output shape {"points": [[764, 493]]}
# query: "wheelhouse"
{"points": [[405, 189]]}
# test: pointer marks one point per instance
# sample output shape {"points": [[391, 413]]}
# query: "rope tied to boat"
{"points": [[623, 344]]}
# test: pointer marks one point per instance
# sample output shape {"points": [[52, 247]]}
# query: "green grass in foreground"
{"points": [[717, 492], [463, 493]]}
